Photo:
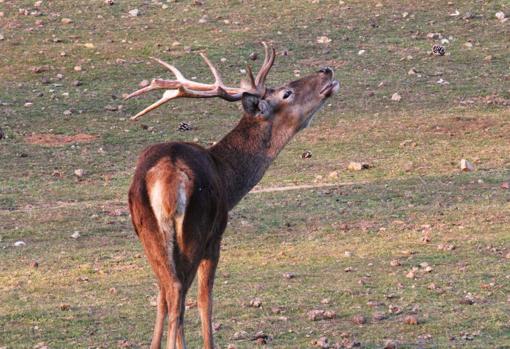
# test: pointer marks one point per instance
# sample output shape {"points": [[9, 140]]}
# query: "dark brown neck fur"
{"points": [[245, 153]]}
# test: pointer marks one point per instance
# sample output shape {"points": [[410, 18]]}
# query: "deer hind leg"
{"points": [[160, 320], [206, 272]]}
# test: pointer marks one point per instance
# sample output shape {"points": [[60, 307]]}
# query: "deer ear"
{"points": [[250, 103], [254, 105]]}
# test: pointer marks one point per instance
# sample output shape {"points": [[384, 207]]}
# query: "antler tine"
{"points": [[168, 95], [250, 77], [215, 72], [170, 67], [266, 66], [156, 84]]}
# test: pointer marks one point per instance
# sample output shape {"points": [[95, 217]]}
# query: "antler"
{"points": [[183, 87]]}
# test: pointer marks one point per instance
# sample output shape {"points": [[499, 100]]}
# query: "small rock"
{"points": [[40, 345], [65, 307], [66, 20], [323, 40], [359, 319], [75, 235], [19, 243], [111, 107], [396, 97], [395, 263], [253, 56], [434, 36], [322, 342], [504, 185], [411, 320], [468, 45], [34, 264], [134, 12], [39, 69], [357, 166], [467, 301], [216, 326], [411, 274], [393, 309], [390, 344], [333, 174], [203, 20], [240, 335], [500, 15], [277, 310], [112, 290], [379, 316], [361, 52], [67, 112], [255, 302], [316, 315], [412, 71], [77, 83], [79, 172], [77, 68], [466, 166], [109, 2], [289, 275]]}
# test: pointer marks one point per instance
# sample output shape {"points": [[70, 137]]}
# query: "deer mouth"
{"points": [[331, 88]]}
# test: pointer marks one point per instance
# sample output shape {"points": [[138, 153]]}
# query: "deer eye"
{"points": [[287, 94]]}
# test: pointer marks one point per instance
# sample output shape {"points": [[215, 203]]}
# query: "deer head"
{"points": [[291, 106]]}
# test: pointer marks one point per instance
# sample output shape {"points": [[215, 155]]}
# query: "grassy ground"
{"points": [[413, 206]]}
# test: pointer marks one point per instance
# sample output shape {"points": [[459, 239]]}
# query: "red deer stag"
{"points": [[181, 192]]}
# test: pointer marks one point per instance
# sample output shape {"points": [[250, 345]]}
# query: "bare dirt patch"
{"points": [[50, 139]]}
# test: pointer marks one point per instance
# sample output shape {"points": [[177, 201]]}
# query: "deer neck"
{"points": [[245, 153]]}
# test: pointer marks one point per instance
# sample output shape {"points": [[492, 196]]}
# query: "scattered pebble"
{"points": [[323, 40], [134, 12], [411, 320], [255, 302], [359, 319], [79, 172], [316, 315], [240, 335], [66, 20], [75, 235], [19, 243], [253, 56], [466, 166], [289, 275], [501, 16], [322, 342], [396, 97], [357, 166]]}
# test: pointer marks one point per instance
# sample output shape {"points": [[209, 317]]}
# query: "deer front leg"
{"points": [[206, 272]]}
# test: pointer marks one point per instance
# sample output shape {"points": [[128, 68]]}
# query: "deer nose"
{"points": [[326, 70]]}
